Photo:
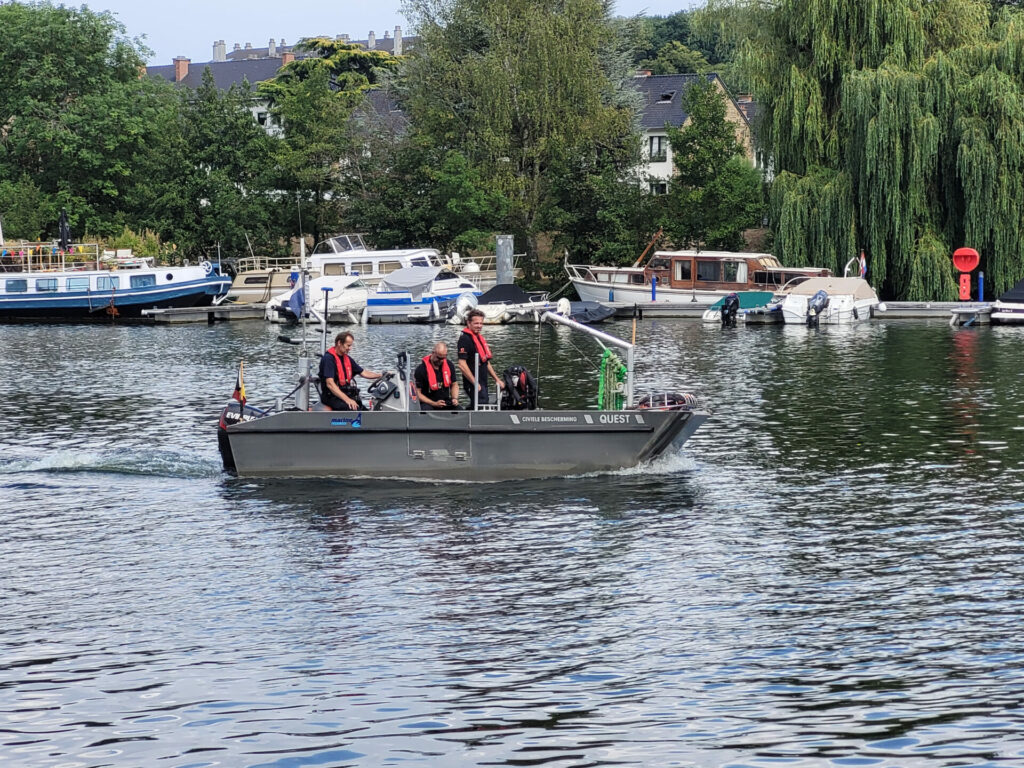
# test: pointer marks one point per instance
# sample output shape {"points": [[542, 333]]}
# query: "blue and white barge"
{"points": [[39, 282]]}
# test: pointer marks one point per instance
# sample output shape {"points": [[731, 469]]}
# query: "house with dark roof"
{"points": [[255, 65], [664, 103]]}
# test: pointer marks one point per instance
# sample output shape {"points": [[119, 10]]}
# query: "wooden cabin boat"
{"points": [[698, 277]]}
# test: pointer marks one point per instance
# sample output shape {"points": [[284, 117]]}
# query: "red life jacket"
{"points": [[481, 345], [446, 373], [344, 367]]}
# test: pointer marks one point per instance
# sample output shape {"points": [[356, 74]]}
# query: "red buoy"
{"points": [[966, 259]]}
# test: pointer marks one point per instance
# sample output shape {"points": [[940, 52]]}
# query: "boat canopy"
{"points": [[857, 287], [506, 293], [1015, 295], [415, 280]]}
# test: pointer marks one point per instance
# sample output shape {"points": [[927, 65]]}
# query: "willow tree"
{"points": [[892, 127], [519, 87]]}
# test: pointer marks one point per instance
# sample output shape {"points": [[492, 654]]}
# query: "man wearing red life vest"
{"points": [[436, 388], [475, 355], [338, 390]]}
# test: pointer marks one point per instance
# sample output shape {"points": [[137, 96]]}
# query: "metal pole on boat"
{"points": [[323, 322], [606, 338], [476, 383]]}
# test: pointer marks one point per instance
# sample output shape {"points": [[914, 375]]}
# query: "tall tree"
{"points": [[892, 127], [214, 176], [314, 99], [518, 87], [75, 116], [716, 192]]}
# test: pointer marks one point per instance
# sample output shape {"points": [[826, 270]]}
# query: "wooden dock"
{"points": [[894, 310], [208, 314]]}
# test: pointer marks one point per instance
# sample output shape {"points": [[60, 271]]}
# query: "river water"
{"points": [[829, 573]]}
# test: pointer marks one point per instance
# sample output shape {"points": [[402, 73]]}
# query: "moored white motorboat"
{"points": [[502, 304], [830, 300], [262, 279], [417, 294], [346, 297], [1009, 307]]}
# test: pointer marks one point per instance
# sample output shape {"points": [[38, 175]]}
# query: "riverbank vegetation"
{"points": [[892, 128]]}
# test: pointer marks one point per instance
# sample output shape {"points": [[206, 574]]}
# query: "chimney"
{"points": [[642, 73], [180, 68], [272, 49], [237, 47], [287, 57], [398, 41], [220, 51], [371, 41]]}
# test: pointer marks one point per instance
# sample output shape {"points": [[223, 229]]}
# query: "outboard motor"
{"points": [[730, 308], [520, 392], [817, 305]]}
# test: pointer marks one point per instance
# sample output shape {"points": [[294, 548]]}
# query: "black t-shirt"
{"points": [[469, 353], [329, 370], [420, 377]]}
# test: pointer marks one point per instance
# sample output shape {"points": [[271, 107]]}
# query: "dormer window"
{"points": [[666, 97]]}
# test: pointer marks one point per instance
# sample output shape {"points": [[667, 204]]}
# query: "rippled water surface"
{"points": [[829, 573]]}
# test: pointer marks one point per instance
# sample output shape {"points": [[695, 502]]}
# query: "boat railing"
{"points": [[253, 263], [25, 256]]}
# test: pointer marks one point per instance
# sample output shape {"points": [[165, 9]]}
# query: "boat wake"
{"points": [[121, 462]]}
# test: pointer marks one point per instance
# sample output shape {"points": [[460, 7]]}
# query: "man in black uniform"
{"points": [[436, 388], [338, 391], [475, 355]]}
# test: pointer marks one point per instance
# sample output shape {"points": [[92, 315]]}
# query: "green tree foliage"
{"points": [[314, 100], [410, 191], [214, 175], [600, 211], [349, 68], [715, 193], [675, 58], [75, 116], [518, 87], [893, 127]]}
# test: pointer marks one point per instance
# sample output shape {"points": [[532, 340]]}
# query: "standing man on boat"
{"points": [[475, 355], [338, 391], [436, 387]]}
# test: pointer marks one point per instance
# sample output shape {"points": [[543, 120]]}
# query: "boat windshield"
{"points": [[658, 264], [341, 244]]}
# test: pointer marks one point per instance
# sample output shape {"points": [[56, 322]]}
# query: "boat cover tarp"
{"points": [[508, 293], [589, 311], [748, 299], [857, 287], [1015, 295], [415, 280]]}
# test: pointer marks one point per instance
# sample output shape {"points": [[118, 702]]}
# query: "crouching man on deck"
{"points": [[436, 388], [338, 391]]}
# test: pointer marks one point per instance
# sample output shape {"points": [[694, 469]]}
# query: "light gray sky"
{"points": [[190, 27]]}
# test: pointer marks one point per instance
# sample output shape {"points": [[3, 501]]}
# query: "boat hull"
{"points": [[842, 310], [612, 292], [103, 306], [461, 445]]}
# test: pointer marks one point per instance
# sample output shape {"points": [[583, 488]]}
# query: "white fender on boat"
{"points": [[563, 307]]}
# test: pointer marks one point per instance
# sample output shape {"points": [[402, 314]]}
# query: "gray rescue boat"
{"points": [[393, 440]]}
